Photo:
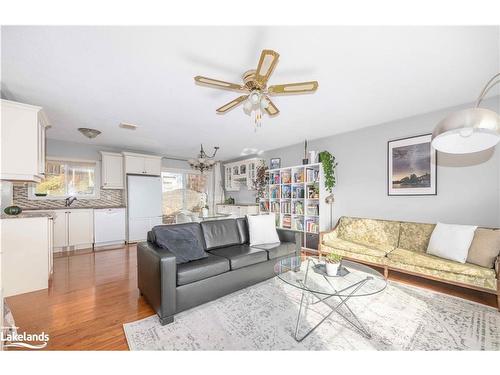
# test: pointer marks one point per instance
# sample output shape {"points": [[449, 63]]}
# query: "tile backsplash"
{"points": [[108, 198]]}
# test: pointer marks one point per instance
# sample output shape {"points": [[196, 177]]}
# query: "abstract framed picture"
{"points": [[411, 166]]}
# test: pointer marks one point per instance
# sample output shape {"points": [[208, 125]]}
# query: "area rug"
{"points": [[263, 317]]}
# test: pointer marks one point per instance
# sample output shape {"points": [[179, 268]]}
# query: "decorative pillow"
{"points": [[262, 229], [451, 241], [184, 249], [485, 247]]}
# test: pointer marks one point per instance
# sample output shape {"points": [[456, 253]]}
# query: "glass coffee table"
{"points": [[354, 280]]}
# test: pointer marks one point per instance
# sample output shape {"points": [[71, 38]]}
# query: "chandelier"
{"points": [[203, 162]]}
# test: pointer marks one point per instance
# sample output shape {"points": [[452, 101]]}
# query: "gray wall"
{"points": [[468, 185]]}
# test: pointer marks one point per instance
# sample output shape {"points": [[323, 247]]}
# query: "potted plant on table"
{"points": [[332, 264]]}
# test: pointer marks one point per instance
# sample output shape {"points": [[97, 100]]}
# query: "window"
{"points": [[183, 192], [67, 178]]}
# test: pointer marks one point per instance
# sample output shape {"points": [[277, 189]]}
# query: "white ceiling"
{"points": [[100, 76]]}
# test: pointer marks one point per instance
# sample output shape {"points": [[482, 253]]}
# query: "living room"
{"points": [[307, 187]]}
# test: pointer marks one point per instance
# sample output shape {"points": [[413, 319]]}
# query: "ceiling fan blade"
{"points": [[293, 88], [215, 83], [267, 63], [271, 108], [232, 104]]}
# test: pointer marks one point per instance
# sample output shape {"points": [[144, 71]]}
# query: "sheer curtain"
{"points": [[216, 189]]}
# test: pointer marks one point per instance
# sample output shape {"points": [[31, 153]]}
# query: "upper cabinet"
{"points": [[142, 164], [241, 174], [22, 142], [112, 170]]}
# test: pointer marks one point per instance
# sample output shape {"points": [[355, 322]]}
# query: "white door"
{"points": [[60, 229], [134, 165], [112, 171], [152, 166], [80, 227]]}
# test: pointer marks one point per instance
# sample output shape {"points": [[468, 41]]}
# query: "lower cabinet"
{"points": [[72, 228], [237, 210], [26, 259]]}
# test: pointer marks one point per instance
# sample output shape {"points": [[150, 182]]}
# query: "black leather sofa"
{"points": [[231, 264]]}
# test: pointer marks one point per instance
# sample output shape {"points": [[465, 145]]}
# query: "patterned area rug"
{"points": [[263, 316]]}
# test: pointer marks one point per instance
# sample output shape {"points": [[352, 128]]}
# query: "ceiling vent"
{"points": [[126, 125]]}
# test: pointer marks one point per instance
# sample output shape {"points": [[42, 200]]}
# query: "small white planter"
{"points": [[332, 268]]}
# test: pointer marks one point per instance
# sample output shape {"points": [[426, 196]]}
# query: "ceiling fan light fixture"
{"points": [[264, 103], [254, 97]]}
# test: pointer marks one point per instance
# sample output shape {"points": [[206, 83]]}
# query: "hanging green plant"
{"points": [[329, 164]]}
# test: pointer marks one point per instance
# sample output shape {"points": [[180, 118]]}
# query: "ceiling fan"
{"points": [[256, 99]]}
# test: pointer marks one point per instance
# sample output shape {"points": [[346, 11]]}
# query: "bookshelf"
{"points": [[296, 195]]}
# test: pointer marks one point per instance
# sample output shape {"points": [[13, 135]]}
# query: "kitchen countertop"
{"points": [[69, 208], [25, 215]]}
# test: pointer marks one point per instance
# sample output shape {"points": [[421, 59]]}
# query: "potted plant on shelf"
{"points": [[332, 264]]}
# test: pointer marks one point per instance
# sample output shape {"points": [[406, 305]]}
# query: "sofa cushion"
{"points": [[380, 260], [277, 249], [485, 247], [183, 240], [220, 233], [262, 229], [241, 255], [242, 224], [340, 244], [432, 262], [201, 269], [451, 241], [369, 231], [415, 236]]}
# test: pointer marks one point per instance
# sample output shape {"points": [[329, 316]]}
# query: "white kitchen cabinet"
{"points": [[80, 227], [237, 210], [112, 170], [22, 142], [142, 164], [26, 268], [241, 174], [72, 228]]}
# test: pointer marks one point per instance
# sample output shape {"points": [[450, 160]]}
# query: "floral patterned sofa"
{"points": [[401, 246]]}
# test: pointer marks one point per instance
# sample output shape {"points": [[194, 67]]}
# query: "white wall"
{"points": [[468, 186]]}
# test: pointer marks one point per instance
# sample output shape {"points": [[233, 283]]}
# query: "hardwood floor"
{"points": [[93, 294]]}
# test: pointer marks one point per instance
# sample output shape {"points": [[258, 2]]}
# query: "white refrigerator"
{"points": [[144, 205]]}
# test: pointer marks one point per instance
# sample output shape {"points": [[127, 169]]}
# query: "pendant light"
{"points": [[469, 130]]}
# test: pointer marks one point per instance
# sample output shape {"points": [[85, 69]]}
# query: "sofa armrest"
{"points": [[497, 267], [157, 277], [291, 236]]}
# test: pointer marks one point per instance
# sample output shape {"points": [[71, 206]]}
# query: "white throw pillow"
{"points": [[262, 229], [451, 241]]}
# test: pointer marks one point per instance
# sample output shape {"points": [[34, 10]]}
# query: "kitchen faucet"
{"points": [[69, 200]]}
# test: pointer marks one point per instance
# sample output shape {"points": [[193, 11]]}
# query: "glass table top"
{"points": [[308, 274]]}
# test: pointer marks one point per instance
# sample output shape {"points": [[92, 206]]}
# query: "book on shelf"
{"points": [[298, 223], [286, 191], [286, 207], [274, 192], [312, 209], [298, 177], [298, 207], [286, 177], [312, 225], [274, 178], [264, 206], [298, 192], [287, 222], [275, 207], [312, 175]]}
